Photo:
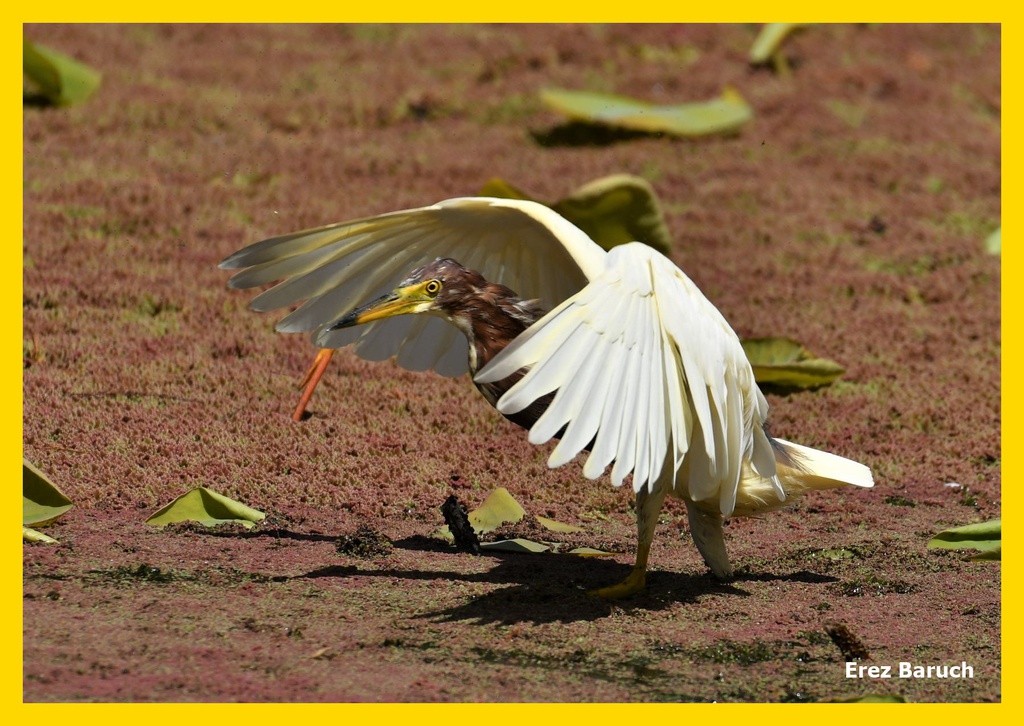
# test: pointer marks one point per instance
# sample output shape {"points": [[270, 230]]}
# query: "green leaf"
{"points": [[770, 40], [42, 502], [784, 362], [984, 536], [724, 114], [206, 507], [612, 210], [994, 242], [62, 80]]}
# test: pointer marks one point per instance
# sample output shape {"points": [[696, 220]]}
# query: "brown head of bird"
{"points": [[490, 315]]}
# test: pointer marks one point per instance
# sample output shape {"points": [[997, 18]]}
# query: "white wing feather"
{"points": [[646, 371], [523, 245], [649, 374]]}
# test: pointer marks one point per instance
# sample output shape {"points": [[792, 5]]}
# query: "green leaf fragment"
{"points": [[770, 39], [62, 80], [590, 552], [31, 535], [785, 362], [515, 545], [984, 536], [996, 553], [498, 187], [994, 242], [206, 507], [42, 501], [721, 115], [500, 507], [617, 209], [612, 210], [558, 526]]}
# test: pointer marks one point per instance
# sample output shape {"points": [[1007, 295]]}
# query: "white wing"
{"points": [[523, 245], [649, 373]]}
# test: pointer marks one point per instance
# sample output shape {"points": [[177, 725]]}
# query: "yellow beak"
{"points": [[403, 301]]}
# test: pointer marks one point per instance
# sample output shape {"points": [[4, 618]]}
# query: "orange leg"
{"points": [[311, 379]]}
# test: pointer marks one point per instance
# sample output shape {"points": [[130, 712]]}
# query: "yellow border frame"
{"points": [[458, 10]]}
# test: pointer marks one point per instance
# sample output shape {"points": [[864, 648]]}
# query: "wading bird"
{"points": [[632, 363]]}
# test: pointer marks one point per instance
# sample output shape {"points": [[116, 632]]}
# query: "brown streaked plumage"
{"points": [[490, 315]]}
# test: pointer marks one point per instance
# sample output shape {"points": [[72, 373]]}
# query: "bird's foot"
{"points": [[632, 585], [725, 574]]}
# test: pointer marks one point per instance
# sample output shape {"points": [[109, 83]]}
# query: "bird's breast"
{"points": [[529, 415]]}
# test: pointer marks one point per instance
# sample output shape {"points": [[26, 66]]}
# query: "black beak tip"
{"points": [[346, 322]]}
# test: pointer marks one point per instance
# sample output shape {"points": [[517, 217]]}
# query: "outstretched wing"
{"points": [[649, 374], [520, 244]]}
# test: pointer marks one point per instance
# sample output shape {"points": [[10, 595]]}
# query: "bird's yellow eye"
{"points": [[432, 288]]}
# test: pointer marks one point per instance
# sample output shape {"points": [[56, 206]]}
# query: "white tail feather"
{"points": [[820, 469], [799, 468]]}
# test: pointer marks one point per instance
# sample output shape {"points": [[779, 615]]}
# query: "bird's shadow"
{"points": [[275, 533], [545, 588], [581, 134], [551, 587], [31, 99]]}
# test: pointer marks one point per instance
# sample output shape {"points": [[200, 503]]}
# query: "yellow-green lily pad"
{"points": [[984, 536], [612, 210], [206, 507], [42, 501], [60, 79], [515, 545], [724, 114], [784, 362]]}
